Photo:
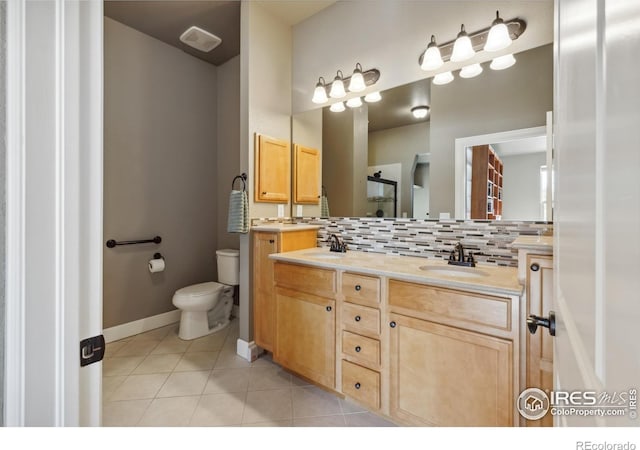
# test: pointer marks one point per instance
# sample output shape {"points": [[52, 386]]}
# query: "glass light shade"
{"points": [[354, 102], [502, 62], [356, 83], [432, 59], [462, 48], [320, 94], [443, 78], [471, 71], [373, 97], [337, 87], [498, 38], [420, 112], [337, 107]]}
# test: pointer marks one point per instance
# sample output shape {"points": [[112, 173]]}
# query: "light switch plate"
{"points": [[280, 210], [298, 210]]}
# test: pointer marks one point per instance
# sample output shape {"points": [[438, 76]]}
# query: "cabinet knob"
{"points": [[328, 308], [358, 348], [264, 193], [358, 287], [392, 324], [357, 385], [357, 318], [271, 241], [535, 267]]}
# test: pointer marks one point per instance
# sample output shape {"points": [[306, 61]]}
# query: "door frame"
{"points": [[69, 122]]}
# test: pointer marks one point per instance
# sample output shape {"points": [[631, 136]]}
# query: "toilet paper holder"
{"points": [[157, 256]]}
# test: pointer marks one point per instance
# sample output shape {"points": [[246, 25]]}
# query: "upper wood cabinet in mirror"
{"points": [[306, 175]]}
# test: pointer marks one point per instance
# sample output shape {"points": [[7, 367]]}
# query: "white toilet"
{"points": [[206, 307]]}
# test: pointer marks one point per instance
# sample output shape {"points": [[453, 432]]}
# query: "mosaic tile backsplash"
{"points": [[489, 241]]}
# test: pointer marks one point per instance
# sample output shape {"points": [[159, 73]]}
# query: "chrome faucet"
{"points": [[336, 245], [459, 259]]}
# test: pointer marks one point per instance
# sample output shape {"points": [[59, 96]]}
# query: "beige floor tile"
{"points": [[169, 412], [312, 401], [263, 406], [228, 380], [228, 359], [140, 386], [297, 381], [210, 343], [120, 365], [271, 423], [268, 378], [264, 360], [366, 419], [197, 361], [171, 344], [157, 334], [109, 385], [180, 384], [157, 364], [124, 413], [349, 406], [219, 410], [321, 421], [112, 348], [137, 348]]}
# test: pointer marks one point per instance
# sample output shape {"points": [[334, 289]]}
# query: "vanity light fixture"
{"points": [[356, 84], [432, 59], [462, 47], [502, 62], [471, 71], [498, 38], [337, 87], [354, 102], [443, 78], [320, 93], [337, 107], [420, 112], [373, 97]]}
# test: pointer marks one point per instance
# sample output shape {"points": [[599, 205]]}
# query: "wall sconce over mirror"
{"points": [[340, 86]]}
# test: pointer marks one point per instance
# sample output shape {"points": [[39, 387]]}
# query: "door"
{"points": [[54, 211]]}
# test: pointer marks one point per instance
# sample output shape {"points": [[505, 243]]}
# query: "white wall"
{"points": [[3, 131], [421, 194], [521, 186]]}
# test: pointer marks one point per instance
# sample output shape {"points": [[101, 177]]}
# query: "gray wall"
{"points": [[521, 186], [494, 101], [160, 167], [3, 151]]}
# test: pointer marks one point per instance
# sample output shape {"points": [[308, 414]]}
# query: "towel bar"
{"points": [[112, 242]]}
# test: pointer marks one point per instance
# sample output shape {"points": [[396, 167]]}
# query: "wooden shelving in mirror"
{"points": [[486, 183]]}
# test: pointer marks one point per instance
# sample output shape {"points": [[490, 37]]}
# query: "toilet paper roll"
{"points": [[156, 265]]}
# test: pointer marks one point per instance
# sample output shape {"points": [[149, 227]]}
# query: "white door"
{"points": [[54, 211], [597, 216]]}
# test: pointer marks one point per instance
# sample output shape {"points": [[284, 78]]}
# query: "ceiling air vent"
{"points": [[200, 39]]}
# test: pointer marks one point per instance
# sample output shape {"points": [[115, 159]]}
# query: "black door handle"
{"points": [[534, 321]]}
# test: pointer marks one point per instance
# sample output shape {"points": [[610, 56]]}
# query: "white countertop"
{"points": [[494, 279], [539, 243], [284, 227]]}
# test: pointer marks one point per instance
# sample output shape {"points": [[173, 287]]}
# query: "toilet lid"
{"points": [[198, 290]]}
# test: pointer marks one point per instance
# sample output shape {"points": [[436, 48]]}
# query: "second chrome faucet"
{"points": [[337, 245], [459, 259]]}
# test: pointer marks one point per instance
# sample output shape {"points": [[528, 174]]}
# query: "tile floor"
{"points": [[155, 379]]}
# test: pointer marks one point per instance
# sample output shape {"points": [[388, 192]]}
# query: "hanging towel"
{"points": [[238, 212], [324, 206]]}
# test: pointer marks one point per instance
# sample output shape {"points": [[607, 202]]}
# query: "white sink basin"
{"points": [[455, 271], [325, 255]]}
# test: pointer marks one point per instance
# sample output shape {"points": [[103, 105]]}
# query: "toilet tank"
{"points": [[228, 266]]}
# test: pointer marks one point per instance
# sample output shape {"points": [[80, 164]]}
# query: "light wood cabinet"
{"points": [[306, 175], [273, 170], [264, 306]]}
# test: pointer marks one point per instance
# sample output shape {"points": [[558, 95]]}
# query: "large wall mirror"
{"points": [[381, 160]]}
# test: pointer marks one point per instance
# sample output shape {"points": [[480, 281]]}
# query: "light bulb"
{"points": [[337, 87], [337, 107], [471, 71], [443, 78], [498, 38], [462, 48], [502, 62], [320, 93], [373, 97], [432, 59], [354, 102], [356, 83], [420, 112]]}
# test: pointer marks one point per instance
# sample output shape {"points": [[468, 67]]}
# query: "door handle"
{"points": [[534, 321]]}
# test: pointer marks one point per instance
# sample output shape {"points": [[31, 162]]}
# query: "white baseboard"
{"points": [[248, 350], [140, 326]]}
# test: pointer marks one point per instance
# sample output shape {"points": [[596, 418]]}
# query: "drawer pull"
{"points": [[358, 287], [535, 267], [357, 385], [357, 318], [328, 308], [392, 324], [358, 348]]}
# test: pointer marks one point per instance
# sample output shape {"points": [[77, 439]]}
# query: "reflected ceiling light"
{"points": [[337, 107], [471, 71], [502, 62], [420, 112], [373, 97], [354, 102], [498, 38], [462, 48], [443, 78], [432, 59], [320, 93], [356, 84], [337, 87]]}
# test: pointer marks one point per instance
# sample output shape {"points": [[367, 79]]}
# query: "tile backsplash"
{"points": [[489, 241]]}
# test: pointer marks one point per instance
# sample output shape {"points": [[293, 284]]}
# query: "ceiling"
{"points": [[394, 110], [167, 20]]}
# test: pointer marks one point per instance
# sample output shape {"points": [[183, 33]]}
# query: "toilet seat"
{"points": [[199, 290]]}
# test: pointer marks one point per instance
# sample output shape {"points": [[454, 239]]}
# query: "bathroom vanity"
{"points": [[415, 340]]}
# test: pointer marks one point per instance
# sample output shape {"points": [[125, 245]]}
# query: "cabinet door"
{"points": [[264, 308], [305, 335], [540, 345], [306, 175], [273, 168], [445, 376]]}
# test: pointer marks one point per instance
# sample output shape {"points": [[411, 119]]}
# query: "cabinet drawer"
{"points": [[470, 310], [361, 384], [362, 348], [312, 280], [361, 318], [361, 289]]}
